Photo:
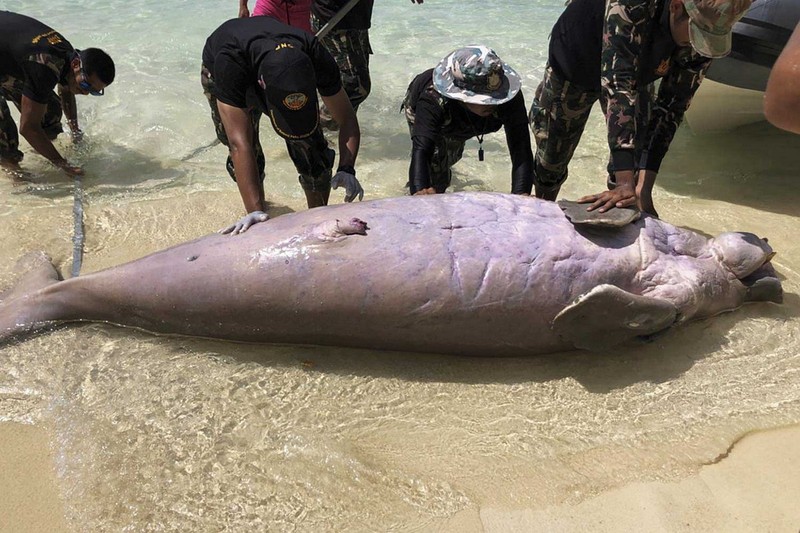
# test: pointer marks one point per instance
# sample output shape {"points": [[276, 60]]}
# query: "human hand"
{"points": [[241, 225], [68, 168], [421, 192], [243, 11], [621, 196], [351, 185], [77, 135]]}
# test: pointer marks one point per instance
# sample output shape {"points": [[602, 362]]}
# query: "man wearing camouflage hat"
{"points": [[613, 50], [469, 94]]}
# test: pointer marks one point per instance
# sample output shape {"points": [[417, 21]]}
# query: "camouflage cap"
{"points": [[710, 24], [474, 74]]}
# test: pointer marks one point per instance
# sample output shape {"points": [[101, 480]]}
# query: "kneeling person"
{"points": [[34, 59], [258, 65], [469, 94]]}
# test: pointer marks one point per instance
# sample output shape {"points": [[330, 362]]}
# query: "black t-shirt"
{"points": [[576, 44], [34, 53], [234, 51], [359, 18]]}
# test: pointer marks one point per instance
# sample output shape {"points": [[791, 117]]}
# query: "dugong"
{"points": [[464, 273]]}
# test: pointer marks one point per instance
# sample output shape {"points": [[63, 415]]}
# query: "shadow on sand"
{"points": [[754, 166]]}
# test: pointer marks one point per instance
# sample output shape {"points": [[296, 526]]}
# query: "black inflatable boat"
{"points": [[757, 42]]}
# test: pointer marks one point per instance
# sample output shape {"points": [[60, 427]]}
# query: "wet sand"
{"points": [[755, 487], [30, 499]]}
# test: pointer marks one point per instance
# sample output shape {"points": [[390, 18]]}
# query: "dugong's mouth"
{"points": [[763, 285]]}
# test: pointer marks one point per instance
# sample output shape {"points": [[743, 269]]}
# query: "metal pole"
{"points": [[323, 31], [77, 225]]}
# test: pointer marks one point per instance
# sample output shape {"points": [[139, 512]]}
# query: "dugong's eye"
{"points": [[742, 253]]}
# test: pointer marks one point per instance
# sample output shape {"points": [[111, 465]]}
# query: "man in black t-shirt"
{"points": [[470, 93], [259, 65], [34, 58], [348, 42]]}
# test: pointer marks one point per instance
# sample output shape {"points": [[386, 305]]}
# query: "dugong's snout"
{"points": [[742, 253], [763, 285], [748, 257]]}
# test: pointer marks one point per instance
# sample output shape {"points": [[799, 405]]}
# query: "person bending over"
{"points": [[258, 65], [470, 93], [34, 59]]}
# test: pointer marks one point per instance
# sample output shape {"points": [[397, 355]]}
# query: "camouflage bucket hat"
{"points": [[474, 74], [711, 22]]}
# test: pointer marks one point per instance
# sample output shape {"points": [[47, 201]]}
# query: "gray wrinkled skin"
{"points": [[466, 273]]}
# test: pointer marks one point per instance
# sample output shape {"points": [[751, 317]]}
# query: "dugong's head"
{"points": [[748, 257]]}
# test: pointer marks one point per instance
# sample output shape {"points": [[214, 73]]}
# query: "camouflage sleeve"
{"points": [[41, 76], [674, 96], [625, 27]]}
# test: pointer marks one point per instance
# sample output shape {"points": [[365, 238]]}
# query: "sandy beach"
{"points": [[30, 501], [754, 487]]}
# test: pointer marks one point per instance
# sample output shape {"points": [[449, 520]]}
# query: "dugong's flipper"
{"points": [[608, 315], [614, 217]]}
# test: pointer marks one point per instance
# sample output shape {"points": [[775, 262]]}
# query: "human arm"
{"points": [[236, 122], [428, 122], [782, 96], [349, 141], [244, 12], [674, 97], [624, 29], [30, 127], [349, 132], [70, 112], [419, 176]]}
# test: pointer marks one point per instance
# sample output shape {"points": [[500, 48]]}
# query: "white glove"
{"points": [[351, 185], [245, 222]]}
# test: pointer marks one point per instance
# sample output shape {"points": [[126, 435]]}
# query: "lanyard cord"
{"points": [[479, 136]]}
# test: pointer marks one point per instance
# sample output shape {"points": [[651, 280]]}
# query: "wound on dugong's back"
{"points": [[355, 226]]}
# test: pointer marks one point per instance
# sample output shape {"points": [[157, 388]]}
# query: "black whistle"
{"points": [[480, 154]]}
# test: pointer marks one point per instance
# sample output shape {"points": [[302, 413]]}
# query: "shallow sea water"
{"points": [[168, 433]]}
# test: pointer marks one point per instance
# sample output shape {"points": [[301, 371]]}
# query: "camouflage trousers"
{"points": [[558, 117], [311, 156], [11, 90], [446, 153], [351, 50]]}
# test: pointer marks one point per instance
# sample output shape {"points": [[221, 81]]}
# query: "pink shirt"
{"points": [[295, 13]]}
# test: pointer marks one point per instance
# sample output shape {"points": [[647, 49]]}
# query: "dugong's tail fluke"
{"points": [[20, 312]]}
